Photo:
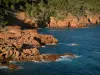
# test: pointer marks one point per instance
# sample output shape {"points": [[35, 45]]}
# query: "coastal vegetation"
{"points": [[43, 9], [20, 41]]}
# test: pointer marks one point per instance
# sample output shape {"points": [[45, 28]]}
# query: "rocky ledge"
{"points": [[70, 20], [15, 37], [32, 54], [22, 45], [74, 21]]}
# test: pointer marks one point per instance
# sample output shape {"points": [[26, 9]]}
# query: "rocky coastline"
{"points": [[70, 21], [18, 44], [22, 45]]}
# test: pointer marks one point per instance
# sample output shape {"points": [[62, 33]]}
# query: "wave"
{"points": [[3, 67], [72, 44], [12, 62], [97, 52], [67, 58], [43, 46]]}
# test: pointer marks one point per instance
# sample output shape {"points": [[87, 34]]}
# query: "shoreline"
{"points": [[70, 21], [22, 45]]}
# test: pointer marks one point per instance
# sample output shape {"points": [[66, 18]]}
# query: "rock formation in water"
{"points": [[21, 45], [32, 54]]}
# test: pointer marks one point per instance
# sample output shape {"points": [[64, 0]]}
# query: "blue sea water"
{"points": [[84, 42]]}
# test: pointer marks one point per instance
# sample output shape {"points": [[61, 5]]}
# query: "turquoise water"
{"points": [[84, 42]]}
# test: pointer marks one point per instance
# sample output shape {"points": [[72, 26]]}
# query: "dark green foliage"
{"points": [[43, 9], [2, 22]]}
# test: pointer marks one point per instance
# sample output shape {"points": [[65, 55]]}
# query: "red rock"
{"points": [[23, 55], [17, 54], [35, 43], [94, 19], [47, 39], [74, 23], [35, 51], [53, 22], [12, 66]]}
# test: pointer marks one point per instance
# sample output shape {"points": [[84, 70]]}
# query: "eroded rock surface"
{"points": [[14, 36]]}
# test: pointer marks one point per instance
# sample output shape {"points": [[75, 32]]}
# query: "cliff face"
{"points": [[69, 21], [74, 21]]}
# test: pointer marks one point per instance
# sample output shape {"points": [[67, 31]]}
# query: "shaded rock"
{"points": [[23, 16], [13, 66], [53, 22], [27, 51], [17, 54], [94, 19], [47, 39], [36, 43], [3, 61]]}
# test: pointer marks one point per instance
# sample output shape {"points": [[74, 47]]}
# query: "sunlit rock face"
{"points": [[74, 21], [69, 21], [14, 36], [22, 45]]}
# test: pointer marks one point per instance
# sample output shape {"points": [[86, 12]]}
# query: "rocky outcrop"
{"points": [[23, 16], [94, 19], [69, 20], [21, 45], [55, 23], [74, 21], [17, 37], [31, 55]]}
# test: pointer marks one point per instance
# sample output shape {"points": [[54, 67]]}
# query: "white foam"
{"points": [[44, 60], [3, 67], [67, 58], [43, 46], [72, 44], [13, 62], [97, 52], [35, 61]]}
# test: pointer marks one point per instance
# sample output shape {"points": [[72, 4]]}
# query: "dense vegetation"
{"points": [[43, 9]]}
